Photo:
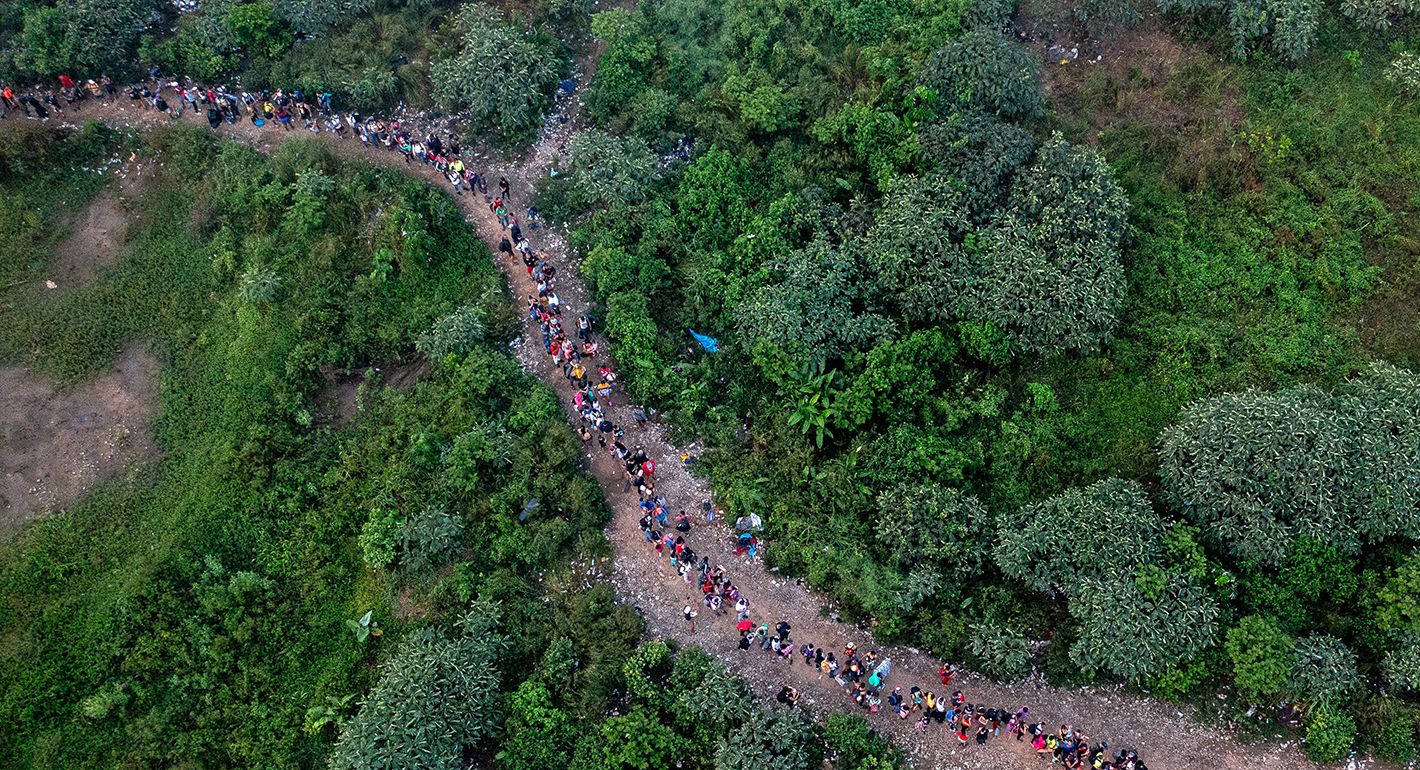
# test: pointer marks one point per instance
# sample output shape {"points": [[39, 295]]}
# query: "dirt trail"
{"points": [[1166, 738]]}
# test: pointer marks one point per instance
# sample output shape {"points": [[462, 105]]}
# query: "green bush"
{"points": [[989, 71], [1132, 632], [1330, 734], [1261, 654], [1323, 669], [1000, 653], [500, 77], [1112, 516]]}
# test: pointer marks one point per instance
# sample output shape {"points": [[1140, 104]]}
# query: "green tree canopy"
{"points": [[1134, 628], [935, 525], [604, 168], [776, 739], [1323, 669], [436, 696], [1262, 656], [85, 38], [1048, 271], [500, 75], [1256, 470], [978, 153], [537, 735], [637, 740], [989, 71], [1107, 526], [1401, 666]]}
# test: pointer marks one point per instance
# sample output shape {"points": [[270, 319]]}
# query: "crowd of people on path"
{"points": [[863, 675], [434, 144]]}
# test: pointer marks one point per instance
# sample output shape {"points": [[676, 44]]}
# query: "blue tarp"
{"points": [[709, 343]]}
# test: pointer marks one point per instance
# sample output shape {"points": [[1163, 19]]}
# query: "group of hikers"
{"points": [[435, 146], [593, 381]]}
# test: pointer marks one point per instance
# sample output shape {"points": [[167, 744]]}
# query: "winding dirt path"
{"points": [[1164, 737]]}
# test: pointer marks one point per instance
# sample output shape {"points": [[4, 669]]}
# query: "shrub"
{"points": [[428, 538], [315, 17], [255, 27], [1290, 26], [772, 740], [1323, 669], [1330, 733], [1257, 470], [989, 71], [639, 740], [603, 168], [998, 652], [258, 285], [1401, 666], [437, 697], [931, 524], [454, 334], [1377, 14], [1394, 739], [855, 745], [538, 736], [379, 537], [1261, 654], [1133, 632], [1111, 517], [1048, 272], [499, 75]]}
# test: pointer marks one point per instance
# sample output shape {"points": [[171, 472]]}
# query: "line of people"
{"points": [[862, 674], [435, 145], [594, 381]]}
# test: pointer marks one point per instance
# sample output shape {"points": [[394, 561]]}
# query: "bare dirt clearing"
{"points": [[95, 240], [56, 444]]}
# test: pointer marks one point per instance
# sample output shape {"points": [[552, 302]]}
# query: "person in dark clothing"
{"points": [[783, 630], [214, 117]]}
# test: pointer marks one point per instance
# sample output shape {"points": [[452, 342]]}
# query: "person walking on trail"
{"points": [[456, 175], [504, 188], [783, 630], [689, 612]]}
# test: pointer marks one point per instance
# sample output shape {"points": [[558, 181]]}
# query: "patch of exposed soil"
{"points": [[56, 444], [95, 240], [338, 399], [404, 376], [1169, 99]]}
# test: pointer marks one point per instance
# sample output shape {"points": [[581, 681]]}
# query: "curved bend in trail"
{"points": [[1164, 737]]}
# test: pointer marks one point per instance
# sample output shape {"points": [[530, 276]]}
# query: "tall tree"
{"points": [[1108, 526], [500, 74], [436, 697]]}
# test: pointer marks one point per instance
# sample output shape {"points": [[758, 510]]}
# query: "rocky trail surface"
{"points": [[1165, 738]]}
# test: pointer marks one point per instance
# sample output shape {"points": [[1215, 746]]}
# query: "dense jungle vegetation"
{"points": [[1123, 370], [283, 591], [1117, 356]]}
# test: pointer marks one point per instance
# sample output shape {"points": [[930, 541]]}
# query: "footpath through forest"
{"points": [[1164, 737]]}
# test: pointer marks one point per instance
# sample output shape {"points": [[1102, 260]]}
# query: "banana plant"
{"points": [[815, 389]]}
